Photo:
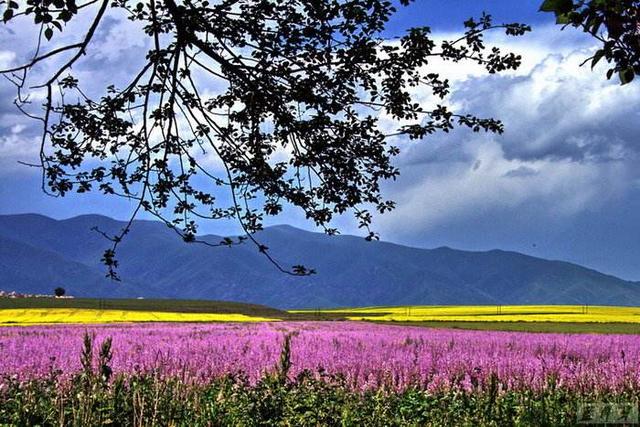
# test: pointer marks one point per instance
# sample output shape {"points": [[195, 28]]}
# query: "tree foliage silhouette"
{"points": [[295, 119], [614, 23]]}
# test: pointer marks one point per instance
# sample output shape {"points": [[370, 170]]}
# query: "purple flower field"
{"points": [[369, 356]]}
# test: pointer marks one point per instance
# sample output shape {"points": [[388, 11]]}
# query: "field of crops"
{"points": [[160, 362], [368, 355], [48, 310], [307, 373], [569, 319], [492, 313], [43, 316]]}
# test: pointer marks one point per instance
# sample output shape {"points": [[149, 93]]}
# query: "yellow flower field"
{"points": [[522, 313], [36, 316], [518, 313]]}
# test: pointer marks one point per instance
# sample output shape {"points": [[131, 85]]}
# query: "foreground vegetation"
{"points": [[144, 400], [96, 396]]}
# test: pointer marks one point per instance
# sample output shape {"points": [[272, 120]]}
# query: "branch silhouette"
{"points": [[294, 121]]}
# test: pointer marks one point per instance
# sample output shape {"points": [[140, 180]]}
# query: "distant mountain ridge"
{"points": [[38, 253]]}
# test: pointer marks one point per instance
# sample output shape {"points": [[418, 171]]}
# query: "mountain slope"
{"points": [[28, 269], [38, 253]]}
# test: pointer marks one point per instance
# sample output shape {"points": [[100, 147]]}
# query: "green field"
{"points": [[557, 327]]}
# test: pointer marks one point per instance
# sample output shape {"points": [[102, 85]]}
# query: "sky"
{"points": [[561, 183]]}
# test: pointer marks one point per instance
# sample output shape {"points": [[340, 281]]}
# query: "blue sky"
{"points": [[561, 183], [448, 15]]}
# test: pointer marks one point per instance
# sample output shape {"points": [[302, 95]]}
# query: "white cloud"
{"points": [[15, 148], [570, 145], [430, 197], [6, 58]]}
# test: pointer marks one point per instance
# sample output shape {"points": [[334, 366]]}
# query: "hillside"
{"points": [[38, 253]]}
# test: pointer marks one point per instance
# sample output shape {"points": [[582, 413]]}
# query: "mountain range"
{"points": [[38, 253]]}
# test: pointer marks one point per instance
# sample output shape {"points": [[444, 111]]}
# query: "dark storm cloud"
{"points": [[560, 111]]}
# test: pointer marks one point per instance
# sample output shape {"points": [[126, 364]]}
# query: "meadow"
{"points": [[145, 362], [306, 373]]}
